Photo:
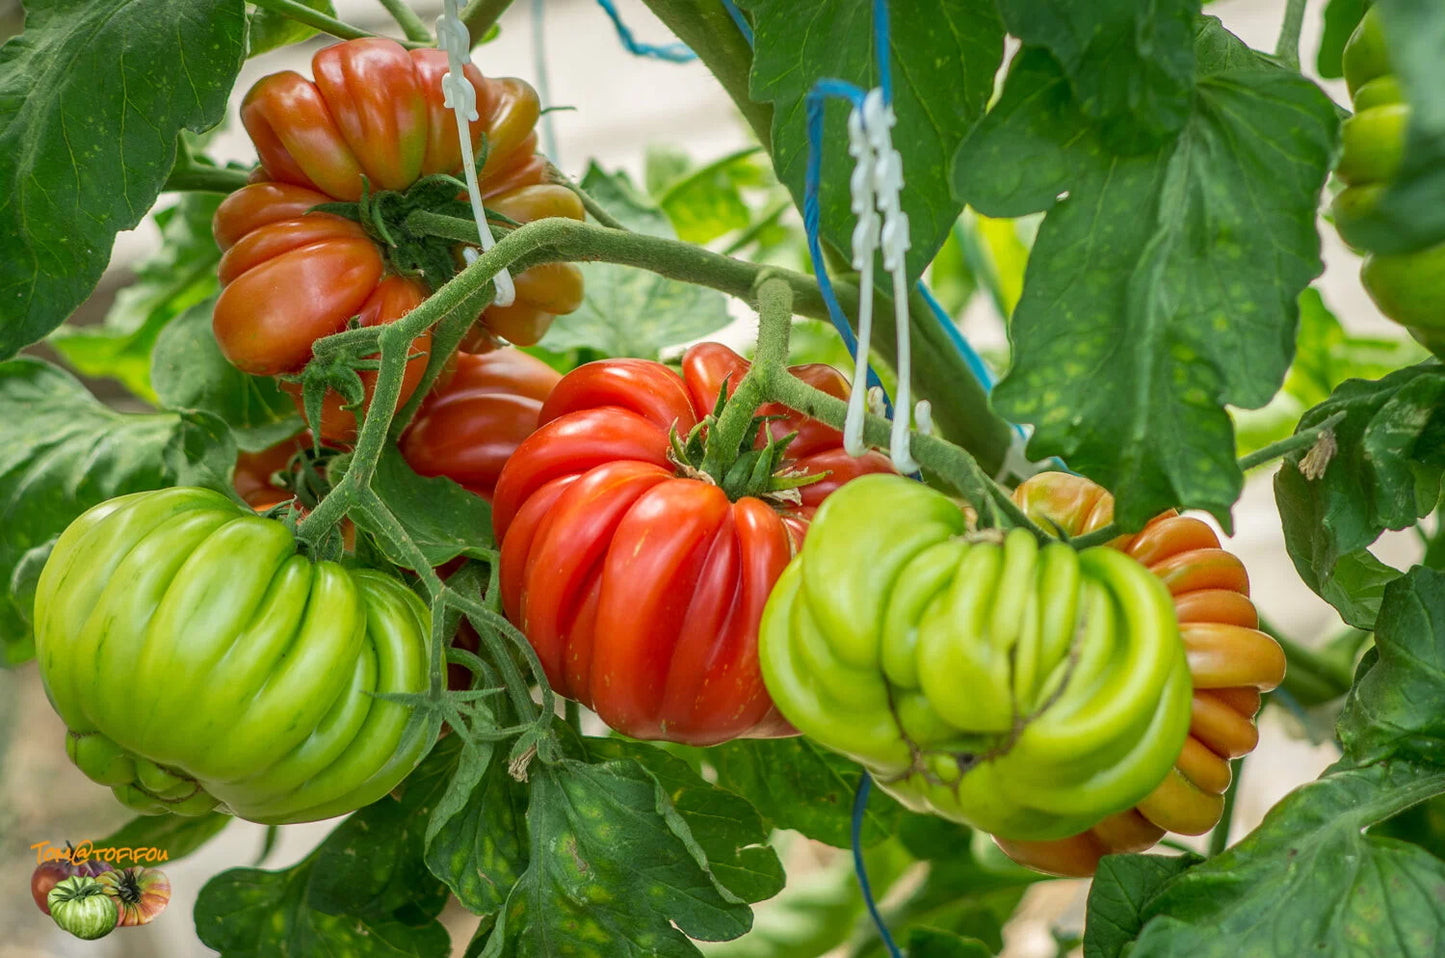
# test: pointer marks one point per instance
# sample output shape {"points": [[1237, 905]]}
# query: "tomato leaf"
{"points": [[269, 30], [937, 943], [704, 202], [797, 785], [1410, 214], [180, 275], [365, 891], [1385, 473], [1128, 341], [1383, 717], [937, 95], [92, 96], [630, 312], [175, 835], [728, 829], [614, 870], [1341, 18], [441, 517], [1121, 891], [62, 451], [1131, 66], [1312, 878], [189, 372], [476, 838]]}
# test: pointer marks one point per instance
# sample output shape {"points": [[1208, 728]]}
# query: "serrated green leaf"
{"points": [[795, 784], [705, 202], [728, 829], [476, 840], [62, 452], [614, 872], [442, 518], [1385, 473], [1163, 285], [1385, 714], [92, 97], [1131, 65], [937, 96], [181, 274], [1410, 214], [175, 835], [631, 312], [189, 372], [269, 30], [1122, 889]]}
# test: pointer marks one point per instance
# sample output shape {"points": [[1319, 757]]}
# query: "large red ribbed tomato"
{"points": [[373, 115], [469, 428], [640, 586], [1230, 663]]}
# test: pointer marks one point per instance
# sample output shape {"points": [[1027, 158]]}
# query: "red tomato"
{"points": [[373, 114], [641, 589], [468, 429], [256, 473]]}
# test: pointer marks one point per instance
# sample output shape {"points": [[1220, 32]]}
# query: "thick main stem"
{"points": [[960, 407]]}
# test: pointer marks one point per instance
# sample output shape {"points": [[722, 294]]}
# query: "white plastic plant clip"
{"points": [[1016, 463], [865, 242], [461, 99], [878, 121]]}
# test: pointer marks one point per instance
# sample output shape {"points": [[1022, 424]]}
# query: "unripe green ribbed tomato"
{"points": [[1409, 287], [199, 662], [1029, 691]]}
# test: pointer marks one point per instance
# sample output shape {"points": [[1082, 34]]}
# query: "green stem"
{"points": [[574, 716], [1287, 47], [704, 25], [775, 312], [410, 23], [1219, 838], [192, 177], [960, 407], [594, 209], [1300, 440], [1314, 677], [445, 338], [481, 15], [319, 21]]}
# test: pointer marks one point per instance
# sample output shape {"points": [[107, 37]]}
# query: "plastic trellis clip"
{"points": [[461, 99], [877, 186]]}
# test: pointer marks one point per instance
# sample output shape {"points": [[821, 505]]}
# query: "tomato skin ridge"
{"points": [[636, 579]]}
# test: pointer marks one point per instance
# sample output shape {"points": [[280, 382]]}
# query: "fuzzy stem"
{"points": [[320, 21], [480, 16], [1300, 440], [1287, 47]]}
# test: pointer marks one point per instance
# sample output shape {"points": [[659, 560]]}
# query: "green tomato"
{"points": [[1374, 144], [1365, 55], [200, 662], [1381, 91], [1409, 287], [80, 906], [1028, 691], [1351, 206]]}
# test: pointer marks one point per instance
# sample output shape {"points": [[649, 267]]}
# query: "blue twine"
{"points": [[880, 44], [672, 52], [860, 804], [739, 19], [971, 358]]}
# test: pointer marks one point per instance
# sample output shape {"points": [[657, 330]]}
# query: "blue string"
{"points": [[971, 358], [880, 44], [672, 52], [860, 804], [739, 19]]}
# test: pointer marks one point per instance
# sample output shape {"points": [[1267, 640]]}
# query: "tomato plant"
{"points": [[414, 470]]}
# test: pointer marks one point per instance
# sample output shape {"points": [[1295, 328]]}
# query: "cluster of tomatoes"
{"points": [[90, 898], [1071, 703]]}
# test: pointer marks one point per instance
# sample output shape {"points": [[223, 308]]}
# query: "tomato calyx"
{"points": [[749, 470], [410, 250]]}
